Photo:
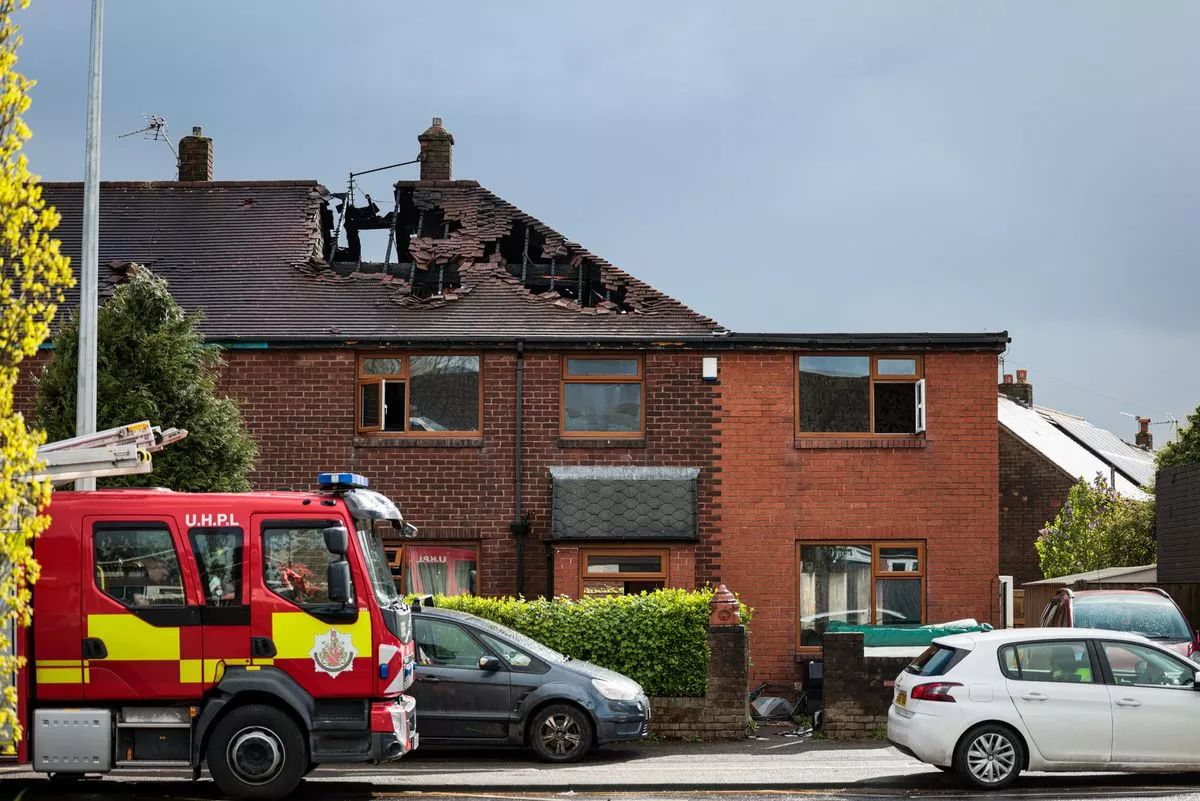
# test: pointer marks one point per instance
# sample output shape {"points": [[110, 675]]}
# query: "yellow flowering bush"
{"points": [[33, 275]]}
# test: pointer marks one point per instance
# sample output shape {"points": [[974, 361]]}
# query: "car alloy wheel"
{"points": [[990, 756], [560, 733]]}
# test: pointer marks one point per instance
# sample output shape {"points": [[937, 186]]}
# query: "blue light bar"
{"points": [[342, 480]]}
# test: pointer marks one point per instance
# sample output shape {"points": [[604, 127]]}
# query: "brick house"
{"points": [[1177, 524], [553, 425], [1043, 453]]}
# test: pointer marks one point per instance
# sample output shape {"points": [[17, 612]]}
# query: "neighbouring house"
{"points": [[1043, 453], [553, 425], [1177, 524]]}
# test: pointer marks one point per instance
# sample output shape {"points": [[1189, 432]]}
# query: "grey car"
{"points": [[480, 683]]}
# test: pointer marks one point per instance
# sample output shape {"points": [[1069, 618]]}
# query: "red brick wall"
{"points": [[775, 494], [1032, 490], [299, 406]]}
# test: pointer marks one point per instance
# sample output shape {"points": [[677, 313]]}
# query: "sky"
{"points": [[792, 166]]}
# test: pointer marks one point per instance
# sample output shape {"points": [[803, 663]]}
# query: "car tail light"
{"points": [[937, 691]]}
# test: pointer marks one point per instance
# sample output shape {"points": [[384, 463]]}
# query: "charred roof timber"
{"points": [[445, 231]]}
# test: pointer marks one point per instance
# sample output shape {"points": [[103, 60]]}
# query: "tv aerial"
{"points": [[155, 130]]}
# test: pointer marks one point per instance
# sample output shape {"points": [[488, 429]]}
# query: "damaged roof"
{"points": [[254, 255]]}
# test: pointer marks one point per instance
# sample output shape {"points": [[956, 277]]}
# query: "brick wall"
{"points": [[858, 689], [725, 711], [776, 491], [1177, 524], [1032, 490], [299, 406]]}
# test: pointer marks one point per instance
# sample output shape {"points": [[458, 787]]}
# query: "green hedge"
{"points": [[659, 639]]}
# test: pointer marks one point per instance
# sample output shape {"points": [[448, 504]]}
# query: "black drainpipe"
{"points": [[519, 526]]}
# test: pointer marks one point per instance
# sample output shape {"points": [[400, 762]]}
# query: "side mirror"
{"points": [[493, 663], [339, 581], [1196, 681], [337, 540]]}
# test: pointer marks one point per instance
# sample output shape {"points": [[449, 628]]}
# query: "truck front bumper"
{"points": [[393, 728]]}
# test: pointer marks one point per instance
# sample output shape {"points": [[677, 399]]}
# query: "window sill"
{"points": [[836, 443], [418, 442], [599, 442], [809, 654]]}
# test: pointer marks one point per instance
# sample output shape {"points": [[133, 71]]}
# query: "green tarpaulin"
{"points": [[884, 636]]}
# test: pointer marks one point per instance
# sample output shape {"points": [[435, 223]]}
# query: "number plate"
{"points": [[901, 698]]}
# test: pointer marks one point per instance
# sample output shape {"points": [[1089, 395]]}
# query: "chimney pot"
{"points": [[1021, 391], [437, 145], [1144, 439], [196, 157]]}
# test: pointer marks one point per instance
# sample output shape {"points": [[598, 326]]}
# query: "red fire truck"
{"points": [[258, 634]]}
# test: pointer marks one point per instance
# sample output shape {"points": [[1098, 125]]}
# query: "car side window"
{"points": [[1059, 661], [515, 658], [1141, 666], [443, 644]]}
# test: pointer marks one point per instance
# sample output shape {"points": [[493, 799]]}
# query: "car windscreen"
{"points": [[936, 661], [528, 643], [1156, 618]]}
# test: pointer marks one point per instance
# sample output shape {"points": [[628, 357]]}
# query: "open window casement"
{"points": [[919, 389]]}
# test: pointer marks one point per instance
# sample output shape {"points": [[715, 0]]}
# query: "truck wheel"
{"points": [[560, 733], [257, 753]]}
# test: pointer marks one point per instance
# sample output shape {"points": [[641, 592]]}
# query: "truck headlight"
{"points": [[616, 690]]}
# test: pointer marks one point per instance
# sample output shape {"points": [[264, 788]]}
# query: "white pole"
{"points": [[85, 408]]}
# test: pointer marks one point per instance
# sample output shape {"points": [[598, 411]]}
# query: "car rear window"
{"points": [[936, 661], [1154, 617]]}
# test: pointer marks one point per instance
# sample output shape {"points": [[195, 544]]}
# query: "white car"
{"points": [[987, 705]]}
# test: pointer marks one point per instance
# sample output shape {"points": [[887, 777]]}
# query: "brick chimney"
{"points": [[1144, 439], [1021, 391], [436, 145], [195, 157]]}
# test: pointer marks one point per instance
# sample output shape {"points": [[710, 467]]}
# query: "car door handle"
{"points": [[1036, 697], [1129, 702], [429, 679]]}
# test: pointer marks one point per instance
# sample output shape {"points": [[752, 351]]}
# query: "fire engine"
{"points": [[257, 634]]}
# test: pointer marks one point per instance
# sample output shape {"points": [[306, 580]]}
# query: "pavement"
{"points": [[770, 763]]}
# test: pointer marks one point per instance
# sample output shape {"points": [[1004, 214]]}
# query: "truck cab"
{"points": [[259, 634]]}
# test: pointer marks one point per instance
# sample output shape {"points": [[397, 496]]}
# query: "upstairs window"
{"points": [[411, 394], [860, 395], [602, 396]]}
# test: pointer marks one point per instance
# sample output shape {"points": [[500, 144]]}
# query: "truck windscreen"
{"points": [[381, 574]]}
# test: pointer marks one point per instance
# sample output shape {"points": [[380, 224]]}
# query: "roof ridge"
{"points": [[184, 184]]}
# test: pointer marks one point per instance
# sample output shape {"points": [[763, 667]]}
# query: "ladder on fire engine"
{"points": [[121, 451]]}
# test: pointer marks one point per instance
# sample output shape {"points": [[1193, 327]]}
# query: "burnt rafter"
{"points": [[446, 236]]}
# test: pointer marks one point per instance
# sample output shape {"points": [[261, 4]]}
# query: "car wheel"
{"points": [[257, 753], [989, 757], [560, 733]]}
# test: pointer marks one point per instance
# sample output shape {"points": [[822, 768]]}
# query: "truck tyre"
{"points": [[560, 733], [257, 753]]}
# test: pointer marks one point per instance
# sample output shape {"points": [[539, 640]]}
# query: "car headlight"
{"points": [[616, 690]]}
